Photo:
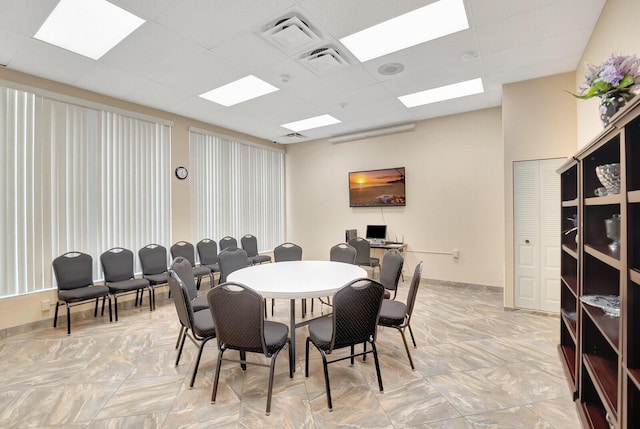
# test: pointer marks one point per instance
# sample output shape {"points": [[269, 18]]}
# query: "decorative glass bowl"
{"points": [[609, 176]]}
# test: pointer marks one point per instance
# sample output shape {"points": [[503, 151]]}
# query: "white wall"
{"points": [[454, 195]]}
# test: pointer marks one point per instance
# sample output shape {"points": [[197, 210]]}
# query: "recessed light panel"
{"points": [[315, 122], [421, 25], [447, 92], [87, 27], [240, 90]]}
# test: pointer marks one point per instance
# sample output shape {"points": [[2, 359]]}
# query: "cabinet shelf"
{"points": [[634, 276], [570, 203], [608, 326], [568, 360], [571, 250], [604, 374], [571, 324], [633, 196], [572, 283], [604, 254], [634, 376], [603, 201]]}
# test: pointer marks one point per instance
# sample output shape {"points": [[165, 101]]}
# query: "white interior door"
{"points": [[537, 234]]}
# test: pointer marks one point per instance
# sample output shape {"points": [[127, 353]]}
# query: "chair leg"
{"points": [[375, 358], [353, 350], [216, 379], [68, 319], [110, 313], [291, 359], [55, 316], [412, 338], [198, 283], [95, 311], [151, 303], [138, 297], [243, 360], [179, 337], [326, 380], [115, 303], [184, 337], [406, 347], [195, 370], [270, 388], [306, 358]]}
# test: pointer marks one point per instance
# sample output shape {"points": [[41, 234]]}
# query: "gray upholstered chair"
{"points": [[230, 260], [153, 260], [240, 325], [227, 242], [117, 266], [356, 307], [390, 271], [363, 254], [74, 276], [287, 252], [197, 325], [395, 314], [250, 245], [208, 254], [343, 252], [183, 268], [186, 250]]}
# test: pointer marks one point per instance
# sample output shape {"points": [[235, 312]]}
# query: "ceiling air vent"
{"points": [[324, 60], [291, 35], [292, 138]]}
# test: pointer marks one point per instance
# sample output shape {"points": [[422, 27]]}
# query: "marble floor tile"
{"points": [[477, 366]]}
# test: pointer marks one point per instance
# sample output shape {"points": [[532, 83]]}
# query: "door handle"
{"points": [[526, 241]]}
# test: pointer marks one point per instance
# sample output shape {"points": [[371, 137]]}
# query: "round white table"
{"points": [[297, 280]]}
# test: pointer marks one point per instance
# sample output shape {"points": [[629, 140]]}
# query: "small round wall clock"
{"points": [[181, 173]]}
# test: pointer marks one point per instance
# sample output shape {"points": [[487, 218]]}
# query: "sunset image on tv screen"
{"points": [[377, 188]]}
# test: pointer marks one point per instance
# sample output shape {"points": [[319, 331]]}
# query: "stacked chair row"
{"points": [[74, 272]]}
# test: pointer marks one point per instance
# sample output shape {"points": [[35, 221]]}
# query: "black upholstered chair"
{"points": [[363, 254], [74, 276], [356, 307], [117, 266], [182, 267], [390, 271], [196, 325], [153, 260], [230, 260], [186, 250], [343, 252], [287, 252], [250, 245], [240, 325], [395, 314], [208, 254], [227, 242]]}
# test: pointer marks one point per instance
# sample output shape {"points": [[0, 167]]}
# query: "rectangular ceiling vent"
{"points": [[291, 35], [324, 60]]}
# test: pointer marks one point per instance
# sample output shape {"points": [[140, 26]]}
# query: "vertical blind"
{"points": [[236, 188], [76, 178]]}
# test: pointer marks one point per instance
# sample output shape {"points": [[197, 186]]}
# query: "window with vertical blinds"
{"points": [[237, 188], [76, 178]]}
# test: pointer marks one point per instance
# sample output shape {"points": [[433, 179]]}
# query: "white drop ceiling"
{"points": [[188, 47]]}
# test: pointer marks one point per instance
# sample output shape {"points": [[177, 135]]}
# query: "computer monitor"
{"points": [[376, 232]]}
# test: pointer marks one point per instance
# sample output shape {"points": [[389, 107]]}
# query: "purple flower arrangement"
{"points": [[618, 76]]}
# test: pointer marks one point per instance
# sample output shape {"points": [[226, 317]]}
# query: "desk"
{"points": [[297, 280], [378, 251]]}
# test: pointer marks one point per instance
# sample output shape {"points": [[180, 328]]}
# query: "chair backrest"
{"points": [[413, 289], [73, 270], [180, 294], [153, 259], [181, 267], [227, 242], [391, 269], [238, 316], [207, 251], [184, 249], [287, 252], [343, 252], [363, 250], [230, 260], [356, 308], [250, 244], [117, 264]]}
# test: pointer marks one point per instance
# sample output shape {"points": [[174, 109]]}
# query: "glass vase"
{"points": [[609, 106]]}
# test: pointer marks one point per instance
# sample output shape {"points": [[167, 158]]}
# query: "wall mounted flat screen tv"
{"points": [[377, 188]]}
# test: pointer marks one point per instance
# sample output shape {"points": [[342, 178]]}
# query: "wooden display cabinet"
{"points": [[600, 352]]}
